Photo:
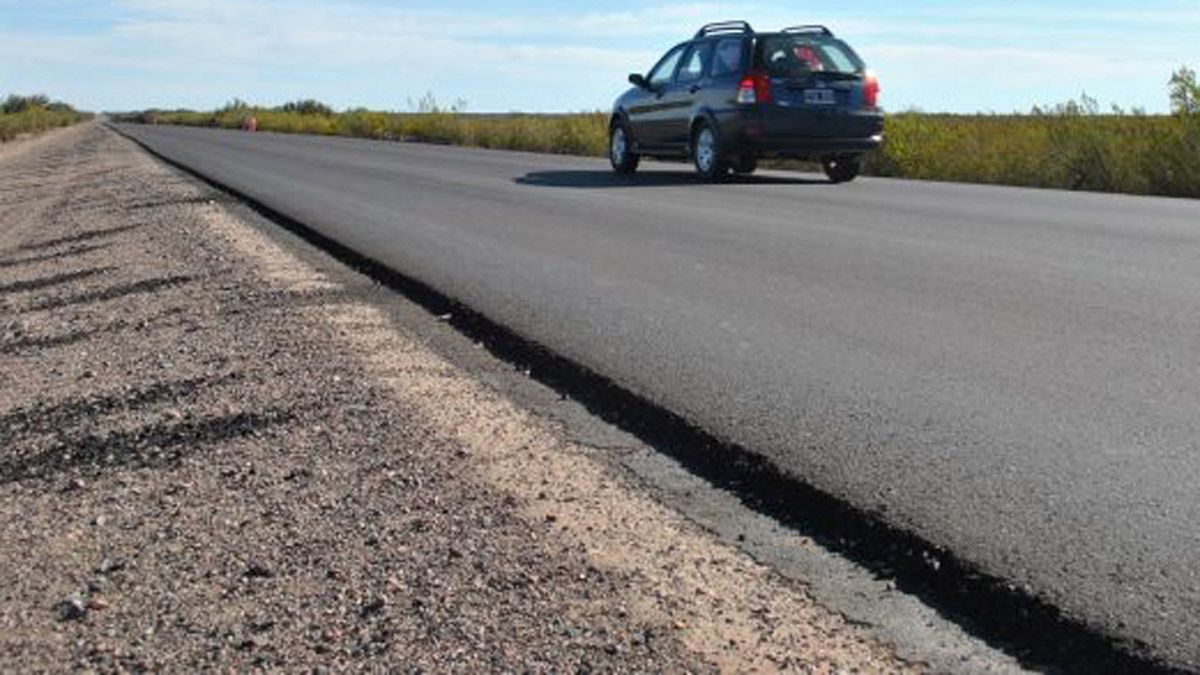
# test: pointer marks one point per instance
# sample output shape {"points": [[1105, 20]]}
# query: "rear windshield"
{"points": [[792, 55]]}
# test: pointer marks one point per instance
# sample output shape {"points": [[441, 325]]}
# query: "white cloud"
{"points": [[196, 32]]}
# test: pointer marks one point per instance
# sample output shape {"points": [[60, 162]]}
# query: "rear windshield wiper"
{"points": [[823, 74], [839, 75]]}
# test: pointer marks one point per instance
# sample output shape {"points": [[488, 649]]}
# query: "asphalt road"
{"points": [[1012, 374]]}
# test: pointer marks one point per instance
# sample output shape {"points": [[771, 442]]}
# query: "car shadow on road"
{"points": [[608, 179]]}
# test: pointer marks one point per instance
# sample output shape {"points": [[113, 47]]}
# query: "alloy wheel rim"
{"points": [[618, 145], [704, 149]]}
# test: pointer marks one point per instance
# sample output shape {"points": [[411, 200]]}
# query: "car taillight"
{"points": [[870, 91], [754, 88]]}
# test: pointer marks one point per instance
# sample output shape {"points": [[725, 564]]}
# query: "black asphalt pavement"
{"points": [[1012, 374]]}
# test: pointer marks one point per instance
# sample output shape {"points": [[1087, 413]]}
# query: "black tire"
{"points": [[745, 165], [706, 153], [842, 169], [620, 150]]}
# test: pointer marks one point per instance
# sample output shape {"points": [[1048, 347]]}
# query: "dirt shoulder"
{"points": [[213, 455]]}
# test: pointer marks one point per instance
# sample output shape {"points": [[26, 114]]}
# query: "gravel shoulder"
{"points": [[212, 455]]}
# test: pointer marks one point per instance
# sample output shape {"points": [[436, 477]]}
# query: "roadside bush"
{"points": [[1185, 91], [1072, 146], [17, 104], [34, 114], [307, 107]]}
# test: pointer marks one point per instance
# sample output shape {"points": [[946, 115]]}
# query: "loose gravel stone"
{"points": [[72, 609]]}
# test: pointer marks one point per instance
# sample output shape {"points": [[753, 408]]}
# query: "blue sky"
{"points": [[568, 55]]}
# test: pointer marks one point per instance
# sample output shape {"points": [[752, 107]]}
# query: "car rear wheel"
{"points": [[842, 169], [745, 165], [706, 153], [620, 150]]}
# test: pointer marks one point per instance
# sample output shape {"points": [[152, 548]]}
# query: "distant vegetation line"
{"points": [[576, 134], [1068, 148], [21, 115], [1072, 146]]}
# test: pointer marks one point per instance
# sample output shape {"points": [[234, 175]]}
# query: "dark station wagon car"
{"points": [[730, 96]]}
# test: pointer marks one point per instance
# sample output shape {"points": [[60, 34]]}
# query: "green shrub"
{"points": [[307, 107], [34, 114], [1185, 91], [1070, 147]]}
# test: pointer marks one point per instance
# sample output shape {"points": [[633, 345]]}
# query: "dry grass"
{"points": [[1135, 154]]}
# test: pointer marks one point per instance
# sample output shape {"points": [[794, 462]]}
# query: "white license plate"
{"points": [[818, 96]]}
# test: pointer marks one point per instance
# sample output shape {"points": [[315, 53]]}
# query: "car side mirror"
{"points": [[639, 80]]}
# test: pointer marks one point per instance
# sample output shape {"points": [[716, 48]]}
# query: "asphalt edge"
{"points": [[1004, 616]]}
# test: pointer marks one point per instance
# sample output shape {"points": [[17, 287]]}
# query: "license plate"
{"points": [[818, 96]]}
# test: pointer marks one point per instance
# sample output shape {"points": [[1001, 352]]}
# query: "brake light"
{"points": [[754, 88], [870, 91]]}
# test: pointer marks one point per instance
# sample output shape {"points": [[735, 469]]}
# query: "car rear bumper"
{"points": [[788, 133], [805, 148]]}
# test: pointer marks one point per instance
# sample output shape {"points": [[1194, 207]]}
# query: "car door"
{"points": [[645, 112], [682, 94]]}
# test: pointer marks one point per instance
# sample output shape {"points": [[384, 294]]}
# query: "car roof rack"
{"points": [[724, 27], [814, 28]]}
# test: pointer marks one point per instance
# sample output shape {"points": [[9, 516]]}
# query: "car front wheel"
{"points": [[620, 150]]}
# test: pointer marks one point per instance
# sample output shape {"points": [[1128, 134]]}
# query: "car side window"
{"points": [[727, 58], [695, 63], [665, 70]]}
